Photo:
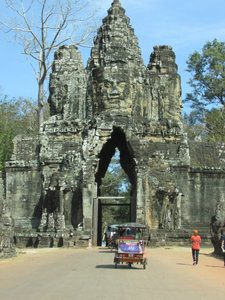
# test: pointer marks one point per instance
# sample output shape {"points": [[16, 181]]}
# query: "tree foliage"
{"points": [[115, 181], [194, 126], [215, 125], [209, 127], [208, 76], [41, 26], [207, 119], [17, 116]]}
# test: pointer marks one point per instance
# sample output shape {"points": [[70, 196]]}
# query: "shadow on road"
{"points": [[182, 264], [122, 267], [215, 266], [105, 266], [206, 254], [105, 251]]}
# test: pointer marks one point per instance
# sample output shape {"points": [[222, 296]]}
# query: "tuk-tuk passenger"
{"points": [[138, 235]]}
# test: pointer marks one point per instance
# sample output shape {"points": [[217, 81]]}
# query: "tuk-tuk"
{"points": [[131, 245]]}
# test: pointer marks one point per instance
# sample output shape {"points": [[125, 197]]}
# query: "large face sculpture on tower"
{"points": [[112, 89]]}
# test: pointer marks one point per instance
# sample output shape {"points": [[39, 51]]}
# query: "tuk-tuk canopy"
{"points": [[132, 225], [113, 225]]}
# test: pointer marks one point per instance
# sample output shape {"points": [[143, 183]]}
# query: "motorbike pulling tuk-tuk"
{"points": [[109, 233], [130, 245]]}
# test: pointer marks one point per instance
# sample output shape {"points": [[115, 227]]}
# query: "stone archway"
{"points": [[118, 140]]}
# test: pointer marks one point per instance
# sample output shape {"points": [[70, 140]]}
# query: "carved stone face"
{"points": [[112, 89]]}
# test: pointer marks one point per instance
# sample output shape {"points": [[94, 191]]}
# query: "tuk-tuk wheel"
{"points": [[129, 264], [115, 266]]}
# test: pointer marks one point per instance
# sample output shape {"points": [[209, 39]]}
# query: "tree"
{"points": [[194, 126], [115, 181], [209, 127], [208, 77], [215, 125], [16, 117], [207, 119], [41, 26]]}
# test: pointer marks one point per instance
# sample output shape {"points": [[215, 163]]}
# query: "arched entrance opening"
{"points": [[117, 141]]}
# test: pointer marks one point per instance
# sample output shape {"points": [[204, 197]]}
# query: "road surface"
{"points": [[84, 274]]}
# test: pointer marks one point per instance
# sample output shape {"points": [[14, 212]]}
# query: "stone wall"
{"points": [[23, 183], [6, 226]]}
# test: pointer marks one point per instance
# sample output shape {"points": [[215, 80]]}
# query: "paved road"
{"points": [[84, 274]]}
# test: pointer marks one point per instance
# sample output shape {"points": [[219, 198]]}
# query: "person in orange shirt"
{"points": [[195, 240]]}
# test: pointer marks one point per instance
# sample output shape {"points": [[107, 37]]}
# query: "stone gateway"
{"points": [[51, 185]]}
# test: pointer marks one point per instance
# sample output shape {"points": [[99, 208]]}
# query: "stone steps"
{"points": [[29, 238], [175, 238]]}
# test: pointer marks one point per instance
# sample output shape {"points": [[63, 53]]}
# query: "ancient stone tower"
{"points": [[52, 180]]}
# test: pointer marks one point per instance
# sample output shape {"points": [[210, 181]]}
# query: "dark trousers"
{"points": [[195, 254]]}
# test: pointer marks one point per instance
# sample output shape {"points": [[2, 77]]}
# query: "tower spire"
{"points": [[116, 41], [116, 2]]}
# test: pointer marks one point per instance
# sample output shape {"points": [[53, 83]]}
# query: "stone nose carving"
{"points": [[114, 91]]}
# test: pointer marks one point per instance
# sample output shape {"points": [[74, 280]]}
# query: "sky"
{"points": [[184, 25]]}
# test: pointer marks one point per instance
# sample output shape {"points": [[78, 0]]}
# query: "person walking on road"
{"points": [[223, 245], [195, 240]]}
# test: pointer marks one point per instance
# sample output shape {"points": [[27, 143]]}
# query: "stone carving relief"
{"points": [[168, 207], [217, 224], [111, 89]]}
